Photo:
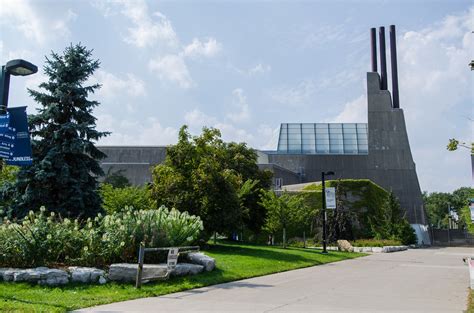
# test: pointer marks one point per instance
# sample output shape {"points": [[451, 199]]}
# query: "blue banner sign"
{"points": [[15, 144]]}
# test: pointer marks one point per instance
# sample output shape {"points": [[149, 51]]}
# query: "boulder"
{"points": [[202, 259], [40, 275], [183, 269], [6, 273], [85, 274], [377, 249], [344, 245], [127, 272], [54, 277]]}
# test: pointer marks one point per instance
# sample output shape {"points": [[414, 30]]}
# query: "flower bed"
{"points": [[43, 239]]}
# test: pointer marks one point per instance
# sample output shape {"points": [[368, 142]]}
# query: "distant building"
{"points": [[379, 151]]}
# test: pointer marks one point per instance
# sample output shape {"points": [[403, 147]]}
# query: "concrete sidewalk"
{"points": [[421, 280]]}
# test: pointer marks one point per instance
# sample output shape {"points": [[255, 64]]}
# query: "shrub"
{"points": [[43, 239], [117, 199]]}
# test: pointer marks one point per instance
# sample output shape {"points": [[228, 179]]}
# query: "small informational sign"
{"points": [[15, 144], [471, 208], [172, 258], [330, 197]]}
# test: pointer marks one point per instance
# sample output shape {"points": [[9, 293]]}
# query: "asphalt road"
{"points": [[421, 280]]}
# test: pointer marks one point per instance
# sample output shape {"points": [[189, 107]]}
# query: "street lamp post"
{"points": [[323, 175], [17, 67]]}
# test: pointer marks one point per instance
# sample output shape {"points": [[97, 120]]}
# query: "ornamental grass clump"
{"points": [[45, 239]]}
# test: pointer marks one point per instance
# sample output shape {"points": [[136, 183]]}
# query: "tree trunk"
{"points": [[215, 237], [284, 238], [304, 239]]}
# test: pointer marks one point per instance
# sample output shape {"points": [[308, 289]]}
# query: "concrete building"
{"points": [[379, 150]]}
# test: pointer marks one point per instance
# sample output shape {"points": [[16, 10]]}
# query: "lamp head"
{"points": [[19, 67], [328, 173]]}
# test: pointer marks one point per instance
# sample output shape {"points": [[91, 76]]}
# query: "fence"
{"points": [[451, 237]]}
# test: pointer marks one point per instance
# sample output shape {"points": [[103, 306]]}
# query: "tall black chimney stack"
{"points": [[373, 48], [383, 59], [393, 59]]}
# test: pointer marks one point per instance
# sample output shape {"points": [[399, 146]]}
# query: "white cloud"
{"points": [[147, 132], [298, 95], [200, 48], [22, 15], [259, 69], [154, 30], [148, 29], [436, 94], [172, 68], [196, 120], [239, 101], [116, 87], [269, 137], [353, 112], [263, 137]]}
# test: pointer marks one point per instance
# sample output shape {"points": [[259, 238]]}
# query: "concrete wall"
{"points": [[134, 162]]}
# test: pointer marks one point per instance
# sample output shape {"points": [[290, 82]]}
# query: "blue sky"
{"points": [[245, 67]]}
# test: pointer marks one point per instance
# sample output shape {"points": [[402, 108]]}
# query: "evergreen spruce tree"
{"points": [[63, 176]]}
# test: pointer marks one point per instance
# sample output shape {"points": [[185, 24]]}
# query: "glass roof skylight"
{"points": [[323, 138]]}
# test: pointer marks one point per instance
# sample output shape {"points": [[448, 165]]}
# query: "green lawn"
{"points": [[234, 262], [470, 301]]}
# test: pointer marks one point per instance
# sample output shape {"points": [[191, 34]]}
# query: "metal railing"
{"points": [[172, 260]]}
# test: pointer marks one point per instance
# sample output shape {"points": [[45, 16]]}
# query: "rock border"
{"points": [[196, 262], [384, 249]]}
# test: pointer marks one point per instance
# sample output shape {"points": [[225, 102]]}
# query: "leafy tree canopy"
{"points": [[65, 167], [282, 211], [436, 204], [215, 180]]}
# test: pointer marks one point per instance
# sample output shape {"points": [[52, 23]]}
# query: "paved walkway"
{"points": [[423, 280]]}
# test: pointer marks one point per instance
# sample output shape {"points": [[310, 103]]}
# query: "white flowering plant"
{"points": [[43, 239]]}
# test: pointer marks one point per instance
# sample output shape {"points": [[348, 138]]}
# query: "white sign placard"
{"points": [[330, 197], [172, 258], [471, 207]]}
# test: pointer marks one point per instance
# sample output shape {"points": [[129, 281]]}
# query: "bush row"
{"points": [[44, 239]]}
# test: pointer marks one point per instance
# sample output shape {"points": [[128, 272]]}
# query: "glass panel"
{"points": [[350, 131], [321, 125], [349, 135]]}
